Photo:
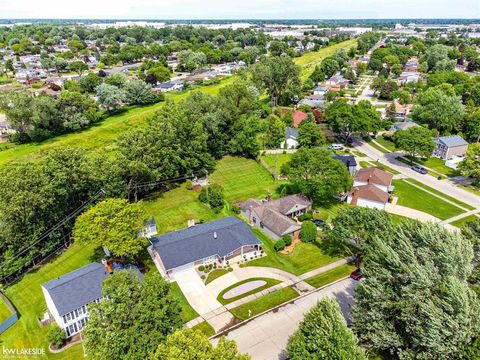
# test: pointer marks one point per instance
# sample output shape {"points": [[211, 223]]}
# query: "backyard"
{"points": [[5, 312], [275, 161]]}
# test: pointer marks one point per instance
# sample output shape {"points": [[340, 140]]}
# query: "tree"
{"points": [[117, 79], [187, 344], [471, 165], [115, 224], [416, 141], [137, 92], [353, 227], [308, 231], [317, 75], [317, 174], [89, 83], [160, 72], [133, 317], [473, 125], [276, 75], [323, 334], [414, 302], [78, 66], [275, 132], [437, 59], [310, 134], [441, 111], [391, 112], [56, 335], [213, 195], [110, 97]]}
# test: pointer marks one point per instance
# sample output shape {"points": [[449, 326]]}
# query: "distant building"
{"points": [[447, 147], [349, 162], [291, 139]]}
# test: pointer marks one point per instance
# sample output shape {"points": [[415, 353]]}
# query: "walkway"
{"points": [[461, 216], [266, 335], [416, 215]]}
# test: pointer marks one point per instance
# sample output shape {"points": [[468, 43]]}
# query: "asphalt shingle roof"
{"points": [[452, 141], [188, 245], [348, 160]]}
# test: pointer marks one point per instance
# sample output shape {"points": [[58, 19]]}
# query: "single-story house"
{"points": [[374, 176], [447, 147], [403, 125], [291, 139], [298, 117], [276, 217], [227, 239], [320, 90], [349, 162], [67, 297], [368, 196]]}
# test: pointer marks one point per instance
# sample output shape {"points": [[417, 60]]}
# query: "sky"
{"points": [[238, 9]]}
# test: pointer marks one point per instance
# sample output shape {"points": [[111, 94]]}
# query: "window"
{"points": [[75, 326], [84, 309], [64, 319], [68, 317], [76, 313]]}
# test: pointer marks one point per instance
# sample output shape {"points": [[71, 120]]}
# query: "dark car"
{"points": [[319, 223], [419, 169], [357, 275]]}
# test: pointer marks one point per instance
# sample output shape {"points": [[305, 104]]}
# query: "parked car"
{"points": [[319, 223], [336, 147], [419, 169], [357, 275]]}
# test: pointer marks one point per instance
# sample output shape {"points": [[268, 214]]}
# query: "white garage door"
{"points": [[182, 268]]}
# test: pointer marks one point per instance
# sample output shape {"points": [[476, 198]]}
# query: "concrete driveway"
{"points": [[266, 336]]}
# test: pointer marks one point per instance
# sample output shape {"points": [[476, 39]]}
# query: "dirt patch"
{"points": [[289, 249]]}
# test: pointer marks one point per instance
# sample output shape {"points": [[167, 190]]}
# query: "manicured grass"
{"points": [[330, 276], [187, 313], [215, 274], [357, 153], [328, 211], [376, 146], [397, 219], [305, 256], [439, 193], [205, 328], [460, 223], [5, 312], [472, 189], [270, 283], [385, 143], [26, 295], [364, 164], [264, 303], [281, 159], [415, 198], [438, 165]]}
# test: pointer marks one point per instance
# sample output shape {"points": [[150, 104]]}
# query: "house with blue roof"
{"points": [[227, 239], [448, 147]]}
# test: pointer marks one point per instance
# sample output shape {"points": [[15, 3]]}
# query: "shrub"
{"points": [[230, 269], [306, 216], [236, 209], [308, 232], [215, 196], [189, 184], [279, 245], [202, 277], [56, 336], [287, 239], [201, 268]]}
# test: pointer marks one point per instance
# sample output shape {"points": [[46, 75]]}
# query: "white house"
{"points": [[291, 139], [368, 196]]}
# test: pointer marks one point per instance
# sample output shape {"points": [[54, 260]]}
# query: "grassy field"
{"points": [[269, 283], [330, 276], [264, 303], [414, 198], [385, 143], [305, 256], [309, 60], [281, 159], [5, 312], [376, 146], [460, 223], [206, 328], [188, 313], [215, 274]]}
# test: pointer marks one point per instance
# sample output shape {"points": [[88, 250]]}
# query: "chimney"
{"points": [[214, 234], [354, 196], [269, 197]]}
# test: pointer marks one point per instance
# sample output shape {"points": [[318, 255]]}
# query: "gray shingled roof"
{"points": [[77, 288], [188, 245], [452, 141], [348, 160], [291, 133]]}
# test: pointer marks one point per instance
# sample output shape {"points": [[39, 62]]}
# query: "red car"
{"points": [[357, 275]]}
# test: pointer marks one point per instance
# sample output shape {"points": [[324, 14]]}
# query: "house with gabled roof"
{"points": [[447, 147], [371, 188]]}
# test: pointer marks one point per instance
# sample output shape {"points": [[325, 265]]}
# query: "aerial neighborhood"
{"points": [[226, 189]]}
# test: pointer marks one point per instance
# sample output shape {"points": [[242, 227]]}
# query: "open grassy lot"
{"points": [[305, 256], [415, 198], [206, 328], [264, 303], [187, 311], [5, 312], [280, 159], [460, 223], [269, 283], [215, 274], [330, 276], [328, 211]]}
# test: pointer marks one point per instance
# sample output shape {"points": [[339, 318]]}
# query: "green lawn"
{"points": [[376, 146], [460, 223], [270, 283], [397, 219], [305, 257], [328, 211], [264, 303], [330, 276], [206, 328], [215, 274], [415, 198], [187, 311], [438, 165], [439, 193], [27, 297], [364, 164], [281, 159], [385, 143], [5, 312]]}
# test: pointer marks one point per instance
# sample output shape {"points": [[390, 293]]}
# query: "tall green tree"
{"points": [[415, 302], [323, 334], [471, 165], [132, 319], [275, 132], [310, 134], [415, 141]]}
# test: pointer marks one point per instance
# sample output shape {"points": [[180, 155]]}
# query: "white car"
{"points": [[336, 147]]}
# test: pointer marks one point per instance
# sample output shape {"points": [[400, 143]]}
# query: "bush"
{"points": [[236, 209], [229, 269], [201, 268], [56, 336], [279, 245], [308, 232], [202, 277], [215, 196], [287, 239], [306, 216], [189, 184]]}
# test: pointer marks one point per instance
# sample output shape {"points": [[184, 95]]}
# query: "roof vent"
{"points": [[214, 234]]}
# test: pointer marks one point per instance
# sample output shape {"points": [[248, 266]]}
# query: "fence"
{"points": [[12, 319]]}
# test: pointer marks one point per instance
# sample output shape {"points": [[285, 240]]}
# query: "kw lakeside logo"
{"points": [[12, 353]]}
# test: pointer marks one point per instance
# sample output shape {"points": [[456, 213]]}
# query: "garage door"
{"points": [[182, 268]]}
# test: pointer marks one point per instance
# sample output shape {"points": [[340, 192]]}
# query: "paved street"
{"points": [[446, 186], [266, 336]]}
